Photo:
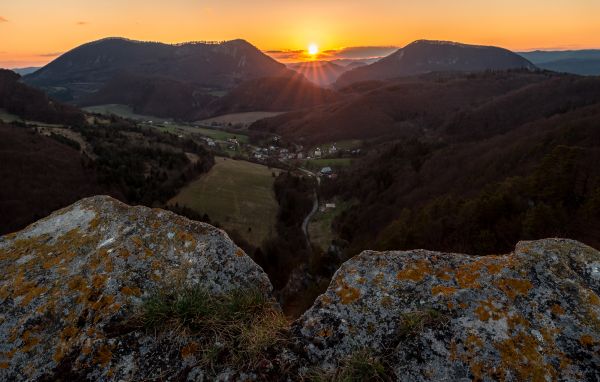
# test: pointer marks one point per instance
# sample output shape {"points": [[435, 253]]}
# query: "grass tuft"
{"points": [[360, 366], [238, 330]]}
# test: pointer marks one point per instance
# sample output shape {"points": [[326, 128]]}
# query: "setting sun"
{"points": [[313, 49]]}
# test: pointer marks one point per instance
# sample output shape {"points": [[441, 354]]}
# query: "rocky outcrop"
{"points": [[533, 315], [70, 282], [73, 285]]}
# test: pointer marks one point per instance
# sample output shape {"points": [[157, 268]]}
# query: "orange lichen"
{"points": [[137, 241], [29, 341], [443, 290], [378, 279], [103, 355], [98, 281], [239, 253], [124, 253], [189, 350], [514, 287], [134, 291], [348, 294], [587, 340], [386, 301], [487, 310], [520, 355], [68, 332], [467, 276], [326, 332], [444, 274], [494, 268], [557, 310], [414, 271], [4, 365]]}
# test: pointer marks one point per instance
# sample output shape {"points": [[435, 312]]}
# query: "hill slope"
{"points": [[407, 107], [39, 175], [33, 104], [88, 67], [425, 56], [322, 73]]}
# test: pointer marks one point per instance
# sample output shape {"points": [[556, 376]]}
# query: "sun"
{"points": [[313, 49]]}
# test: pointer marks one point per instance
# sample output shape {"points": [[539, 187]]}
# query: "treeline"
{"points": [[148, 166], [32, 104], [537, 180], [281, 255]]}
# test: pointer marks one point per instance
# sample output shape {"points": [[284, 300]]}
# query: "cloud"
{"points": [[3, 20], [52, 54], [285, 55], [361, 52], [82, 23], [351, 53]]}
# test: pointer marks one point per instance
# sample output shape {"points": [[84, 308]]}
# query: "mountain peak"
{"points": [[426, 56]]}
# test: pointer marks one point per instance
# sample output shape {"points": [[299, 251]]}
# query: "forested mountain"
{"points": [[425, 56], [87, 68]]}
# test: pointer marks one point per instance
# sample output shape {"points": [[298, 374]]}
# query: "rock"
{"points": [[70, 281], [531, 315]]}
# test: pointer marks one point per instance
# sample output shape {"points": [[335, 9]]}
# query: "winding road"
{"points": [[308, 217]]}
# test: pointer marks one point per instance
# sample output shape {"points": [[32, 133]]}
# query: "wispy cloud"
{"points": [[361, 52], [3, 20], [82, 23], [352, 53], [51, 54]]}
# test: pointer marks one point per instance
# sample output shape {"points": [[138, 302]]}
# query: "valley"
{"points": [[325, 179]]}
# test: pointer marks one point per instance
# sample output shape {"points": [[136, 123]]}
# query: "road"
{"points": [[308, 217]]}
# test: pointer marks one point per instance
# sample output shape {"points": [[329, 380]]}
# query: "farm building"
{"points": [[326, 171]]}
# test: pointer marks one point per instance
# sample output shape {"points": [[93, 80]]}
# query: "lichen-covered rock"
{"points": [[70, 281], [533, 315]]}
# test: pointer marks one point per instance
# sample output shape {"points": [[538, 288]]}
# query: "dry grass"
{"points": [[237, 330]]}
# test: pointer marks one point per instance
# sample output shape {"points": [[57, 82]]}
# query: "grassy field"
{"points": [[317, 164], [240, 118], [7, 117], [121, 111], [220, 135], [237, 194]]}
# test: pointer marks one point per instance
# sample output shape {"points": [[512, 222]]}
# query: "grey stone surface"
{"points": [[532, 315], [69, 282]]}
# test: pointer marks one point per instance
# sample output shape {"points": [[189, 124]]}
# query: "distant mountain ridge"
{"points": [[583, 62], [87, 68], [425, 56]]}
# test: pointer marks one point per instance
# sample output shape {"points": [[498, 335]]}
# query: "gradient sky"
{"points": [[33, 32]]}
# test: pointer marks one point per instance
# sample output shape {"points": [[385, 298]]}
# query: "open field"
{"points": [[123, 111], [219, 134], [240, 118], [317, 164], [7, 117], [238, 195]]}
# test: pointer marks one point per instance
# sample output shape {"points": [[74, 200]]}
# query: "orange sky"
{"points": [[32, 32]]}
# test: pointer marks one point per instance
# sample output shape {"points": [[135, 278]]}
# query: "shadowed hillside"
{"points": [[86, 69], [426, 56]]}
